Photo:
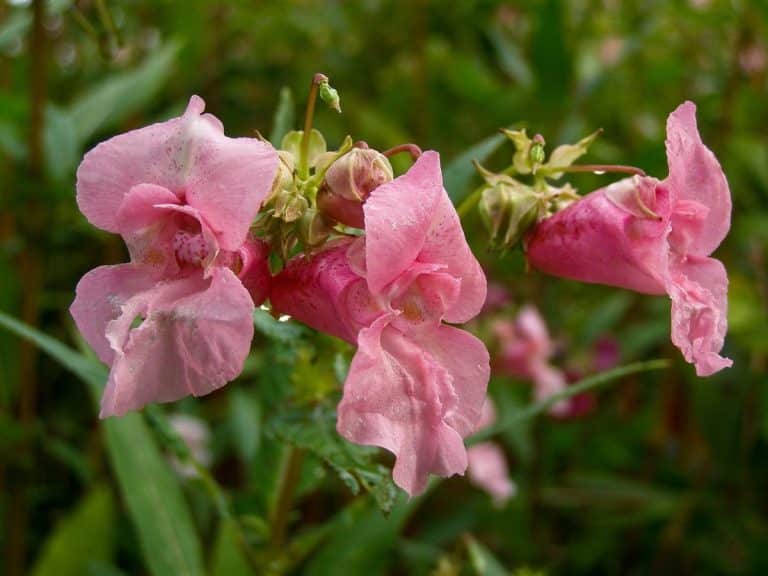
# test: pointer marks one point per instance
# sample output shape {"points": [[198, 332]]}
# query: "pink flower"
{"points": [[526, 351], [655, 237], [487, 464], [416, 386], [176, 320]]}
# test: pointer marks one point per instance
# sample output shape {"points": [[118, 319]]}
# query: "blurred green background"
{"points": [[668, 473]]}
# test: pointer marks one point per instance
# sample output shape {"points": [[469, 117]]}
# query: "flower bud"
{"points": [[348, 183], [313, 229], [289, 207], [508, 210]]}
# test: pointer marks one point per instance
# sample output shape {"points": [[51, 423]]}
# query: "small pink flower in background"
{"points": [[177, 319], [415, 386], [196, 434], [488, 467], [655, 237], [526, 351]]}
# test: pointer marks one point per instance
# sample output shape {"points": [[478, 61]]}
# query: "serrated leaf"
{"points": [[151, 492], [83, 538], [118, 96], [458, 174], [285, 115], [355, 465]]}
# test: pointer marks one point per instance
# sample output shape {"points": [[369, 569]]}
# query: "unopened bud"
{"points": [[508, 210], [330, 96], [536, 153], [348, 183], [313, 229], [290, 207]]}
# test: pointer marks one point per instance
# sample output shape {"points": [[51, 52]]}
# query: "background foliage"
{"points": [[666, 475]]}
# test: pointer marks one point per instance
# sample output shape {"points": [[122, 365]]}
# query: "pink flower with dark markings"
{"points": [[177, 319], [655, 237], [416, 386]]}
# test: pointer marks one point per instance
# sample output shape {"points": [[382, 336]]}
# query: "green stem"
{"points": [[288, 483], [469, 202], [589, 383], [592, 168], [309, 116]]}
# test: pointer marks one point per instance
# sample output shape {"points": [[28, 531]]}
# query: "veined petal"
{"points": [[696, 176], [412, 219], [225, 178], [324, 293], [193, 338], [698, 288], [605, 239], [402, 397]]}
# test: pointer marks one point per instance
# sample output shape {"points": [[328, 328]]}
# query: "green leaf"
{"points": [[567, 154], [62, 148], [14, 28], [245, 418], [285, 116], [483, 561], [589, 383], [269, 326], [355, 465], [151, 492], [118, 96], [459, 172], [362, 541], [228, 558], [83, 538]]}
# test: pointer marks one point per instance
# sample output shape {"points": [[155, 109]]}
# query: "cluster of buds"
{"points": [[512, 201], [319, 193]]}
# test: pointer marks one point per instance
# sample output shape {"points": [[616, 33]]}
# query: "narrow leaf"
{"points": [[151, 492], [285, 116], [118, 96], [458, 174]]}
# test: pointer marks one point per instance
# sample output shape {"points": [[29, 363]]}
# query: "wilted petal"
{"points": [[225, 178], [604, 238], [695, 175], [324, 293], [193, 337], [401, 397], [699, 292]]}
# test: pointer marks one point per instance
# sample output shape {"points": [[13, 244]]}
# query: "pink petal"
{"points": [[226, 179], [254, 269], [408, 400], [549, 381], [699, 292], [99, 298], [324, 293], [193, 338], [412, 218], [605, 239], [488, 470], [695, 175]]}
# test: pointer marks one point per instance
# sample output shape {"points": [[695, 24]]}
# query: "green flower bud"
{"points": [[508, 210], [330, 96], [313, 229]]}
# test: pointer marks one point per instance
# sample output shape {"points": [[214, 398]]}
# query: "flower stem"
{"points": [[593, 168], [412, 149], [469, 202], [583, 385], [289, 482], [309, 116]]}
